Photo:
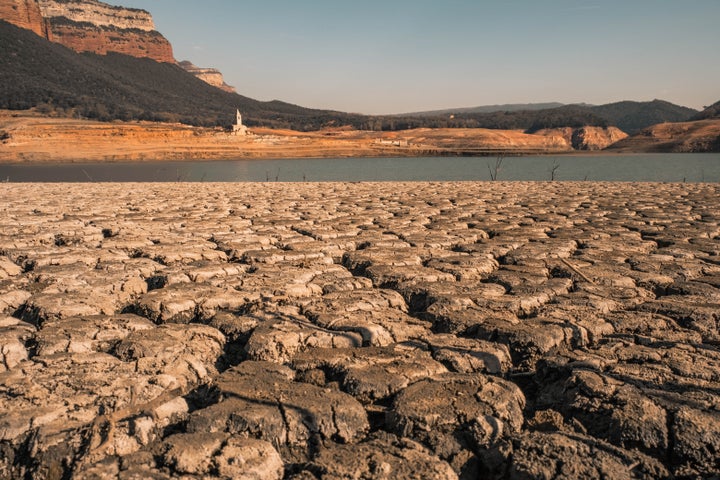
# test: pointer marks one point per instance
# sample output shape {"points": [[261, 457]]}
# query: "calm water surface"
{"points": [[645, 168]]}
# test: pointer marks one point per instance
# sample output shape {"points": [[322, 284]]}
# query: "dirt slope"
{"points": [[686, 137]]}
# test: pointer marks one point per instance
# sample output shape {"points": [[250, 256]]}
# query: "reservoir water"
{"points": [[627, 168]]}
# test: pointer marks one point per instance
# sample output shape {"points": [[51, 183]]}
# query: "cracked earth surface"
{"points": [[389, 330]]}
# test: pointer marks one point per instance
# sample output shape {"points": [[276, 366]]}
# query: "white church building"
{"points": [[239, 128]]}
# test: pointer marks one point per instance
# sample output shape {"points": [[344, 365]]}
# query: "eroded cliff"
{"points": [[90, 26], [98, 13], [24, 14], [210, 76], [85, 37]]}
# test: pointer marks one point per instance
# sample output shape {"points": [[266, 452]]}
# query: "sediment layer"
{"points": [[101, 40], [99, 14], [392, 330]]}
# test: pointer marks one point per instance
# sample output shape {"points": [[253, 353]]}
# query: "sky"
{"points": [[399, 56]]}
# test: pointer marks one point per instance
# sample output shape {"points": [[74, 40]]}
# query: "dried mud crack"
{"points": [[391, 330]]}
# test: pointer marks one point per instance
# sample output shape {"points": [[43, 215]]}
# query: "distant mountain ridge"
{"points": [[508, 107], [629, 116]]}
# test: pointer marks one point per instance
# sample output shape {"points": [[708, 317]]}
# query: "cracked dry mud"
{"points": [[394, 331]]}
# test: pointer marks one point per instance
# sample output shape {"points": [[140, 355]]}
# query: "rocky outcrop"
{"points": [[91, 26], [98, 13], [83, 37], [596, 138], [210, 76], [586, 138], [25, 14]]}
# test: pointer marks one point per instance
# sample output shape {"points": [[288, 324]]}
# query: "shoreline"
{"points": [[30, 138], [160, 161]]}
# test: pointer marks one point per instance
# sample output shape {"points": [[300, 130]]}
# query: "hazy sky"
{"points": [[395, 56]]}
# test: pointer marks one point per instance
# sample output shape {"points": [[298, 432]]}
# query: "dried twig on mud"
{"points": [[576, 270]]}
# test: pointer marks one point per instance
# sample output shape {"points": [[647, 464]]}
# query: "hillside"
{"points": [[631, 117], [713, 111], [699, 136], [529, 121], [38, 73], [35, 73]]}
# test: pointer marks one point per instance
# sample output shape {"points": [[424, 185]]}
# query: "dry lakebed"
{"points": [[554, 330]]}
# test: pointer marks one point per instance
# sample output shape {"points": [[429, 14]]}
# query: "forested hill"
{"points": [[38, 73], [713, 111], [628, 116], [631, 117]]}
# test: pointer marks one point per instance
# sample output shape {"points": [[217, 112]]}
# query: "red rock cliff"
{"points": [[90, 26], [82, 37], [24, 14]]}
